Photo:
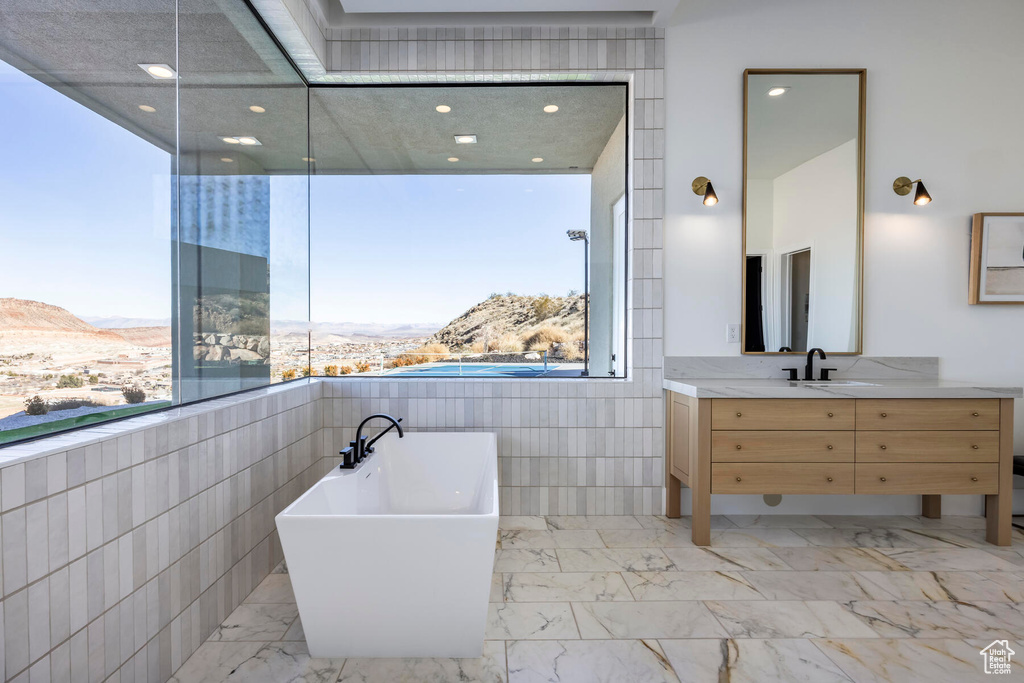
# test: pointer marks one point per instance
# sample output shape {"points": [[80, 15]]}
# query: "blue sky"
{"points": [[85, 216]]}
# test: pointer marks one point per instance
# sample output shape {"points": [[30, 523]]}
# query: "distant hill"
{"points": [[348, 329], [24, 318], [121, 323], [501, 320]]}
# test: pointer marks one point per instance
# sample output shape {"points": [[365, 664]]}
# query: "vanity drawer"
{"points": [[778, 414], [928, 478], [928, 413], [780, 446], [795, 478], [929, 446]]}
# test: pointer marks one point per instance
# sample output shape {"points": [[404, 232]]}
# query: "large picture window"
{"points": [[182, 217]]}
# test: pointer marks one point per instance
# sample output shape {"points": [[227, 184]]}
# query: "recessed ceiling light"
{"points": [[443, 108], [537, 160], [241, 140], [160, 72], [778, 90], [465, 139], [551, 108], [257, 109], [146, 108], [226, 160], [453, 159]]}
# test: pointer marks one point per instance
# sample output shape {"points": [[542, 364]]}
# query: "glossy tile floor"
{"points": [[627, 599]]}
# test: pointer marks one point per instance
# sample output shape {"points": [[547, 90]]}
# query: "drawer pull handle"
{"points": [[830, 446], [739, 447], [884, 415], [974, 414], [883, 446], [830, 414], [830, 478], [975, 446], [881, 479], [974, 479], [739, 479], [739, 414]]}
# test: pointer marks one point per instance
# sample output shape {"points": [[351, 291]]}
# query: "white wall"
{"points": [[944, 98], [815, 205]]}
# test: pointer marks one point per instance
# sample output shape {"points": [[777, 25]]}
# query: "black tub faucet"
{"points": [[359, 449]]}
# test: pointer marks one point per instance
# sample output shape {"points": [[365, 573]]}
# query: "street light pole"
{"points": [[578, 236]]}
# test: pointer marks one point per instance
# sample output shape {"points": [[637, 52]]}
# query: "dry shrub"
{"points": [[506, 343], [477, 346], [133, 393], [72, 403], [288, 374], [36, 406], [330, 371], [345, 370], [542, 338], [362, 366], [544, 307]]}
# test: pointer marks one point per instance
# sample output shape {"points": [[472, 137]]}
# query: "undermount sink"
{"points": [[833, 383]]}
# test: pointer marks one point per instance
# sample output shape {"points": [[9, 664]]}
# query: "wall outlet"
{"points": [[732, 334]]}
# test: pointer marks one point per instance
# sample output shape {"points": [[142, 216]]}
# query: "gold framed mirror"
{"points": [[803, 210]]}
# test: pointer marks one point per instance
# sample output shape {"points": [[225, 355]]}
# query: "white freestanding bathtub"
{"points": [[394, 558]]}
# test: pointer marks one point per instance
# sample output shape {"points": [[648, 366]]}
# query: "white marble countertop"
{"points": [[838, 388]]}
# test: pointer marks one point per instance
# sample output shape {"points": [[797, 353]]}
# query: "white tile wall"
{"points": [[566, 446]]}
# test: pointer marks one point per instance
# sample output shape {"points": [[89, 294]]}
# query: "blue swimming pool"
{"points": [[478, 369]]}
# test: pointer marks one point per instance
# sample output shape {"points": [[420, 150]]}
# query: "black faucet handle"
{"points": [[824, 374], [792, 374], [347, 462], [360, 449]]}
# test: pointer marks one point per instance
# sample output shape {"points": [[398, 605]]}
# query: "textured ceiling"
{"points": [[90, 51], [818, 113]]}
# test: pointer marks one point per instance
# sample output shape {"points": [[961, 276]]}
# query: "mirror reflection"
{"points": [[803, 211]]}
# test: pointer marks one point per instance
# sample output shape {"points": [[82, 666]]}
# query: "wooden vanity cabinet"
{"points": [[928, 447]]}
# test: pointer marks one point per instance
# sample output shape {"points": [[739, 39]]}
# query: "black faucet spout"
{"points": [[360, 448], [809, 368]]}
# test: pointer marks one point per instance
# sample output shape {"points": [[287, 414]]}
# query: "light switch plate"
{"points": [[732, 334]]}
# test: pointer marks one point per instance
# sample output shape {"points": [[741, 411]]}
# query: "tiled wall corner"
{"points": [[566, 446], [120, 556]]}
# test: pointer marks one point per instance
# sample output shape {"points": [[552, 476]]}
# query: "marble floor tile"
{"points": [[788, 619], [1016, 664], [526, 560], [1011, 555], [497, 588], [592, 522], [882, 660], [490, 668], [724, 559], [256, 663], [613, 559], [258, 622], [530, 538], [948, 559], [948, 538], [295, 631], [531, 621], [919, 619], [720, 585], [624, 620], [663, 523], [815, 585], [588, 661], [565, 587], [750, 661], [523, 522], [276, 588], [838, 559], [868, 538], [950, 522], [872, 521], [647, 538], [942, 586], [778, 522], [757, 538]]}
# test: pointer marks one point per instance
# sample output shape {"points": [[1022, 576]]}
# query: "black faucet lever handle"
{"points": [[824, 374], [347, 459], [792, 374]]}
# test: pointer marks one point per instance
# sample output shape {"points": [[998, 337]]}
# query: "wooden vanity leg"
{"points": [[999, 508], [700, 473], [931, 506], [673, 493]]}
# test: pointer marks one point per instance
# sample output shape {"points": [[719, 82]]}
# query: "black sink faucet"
{"points": [[359, 449], [809, 368]]}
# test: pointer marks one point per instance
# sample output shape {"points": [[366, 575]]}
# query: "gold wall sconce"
{"points": [[902, 185], [703, 186]]}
